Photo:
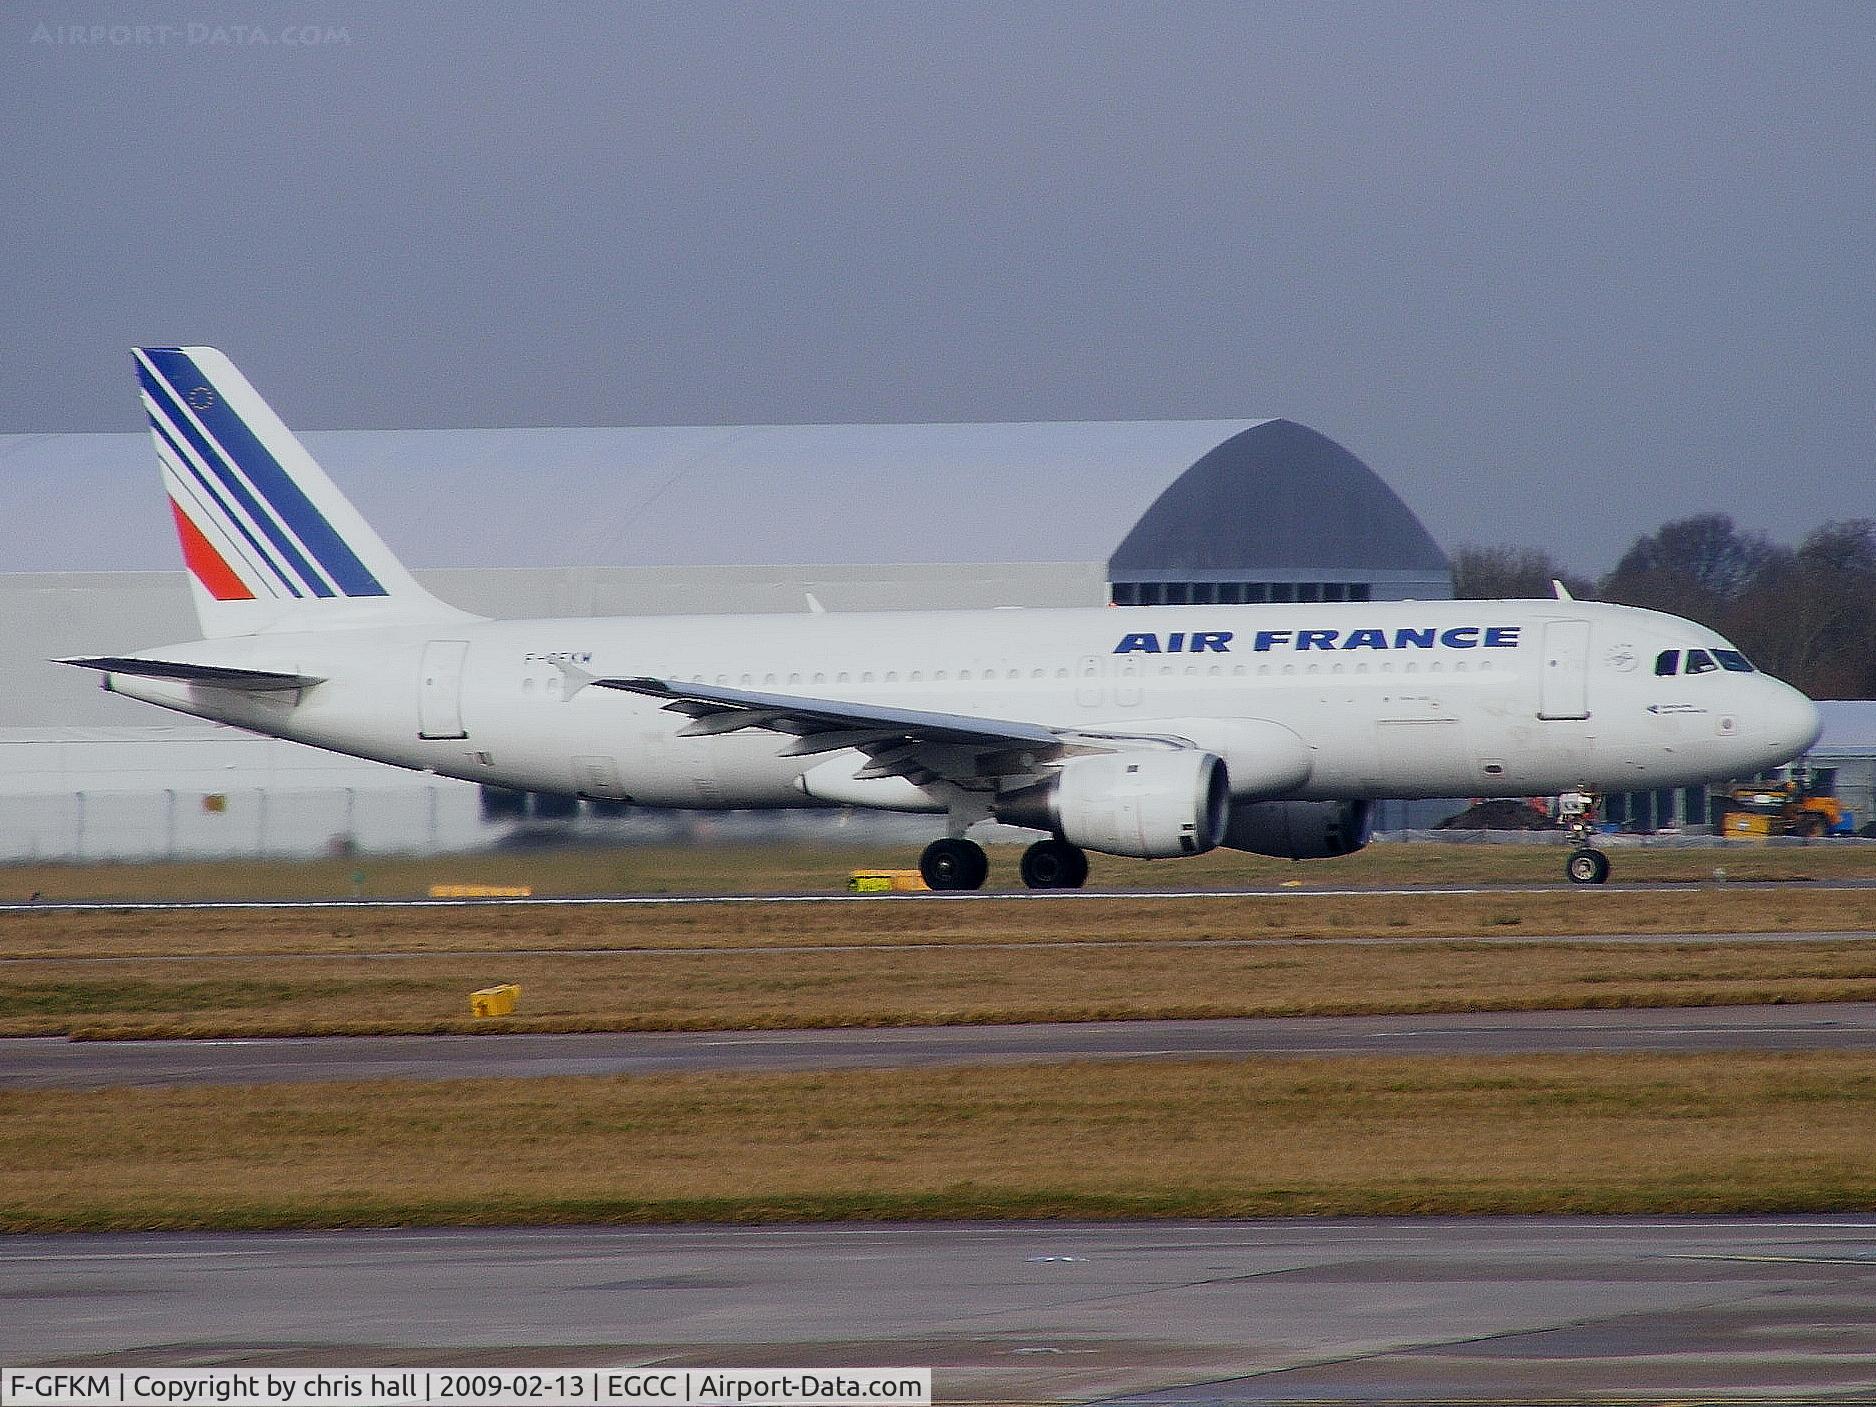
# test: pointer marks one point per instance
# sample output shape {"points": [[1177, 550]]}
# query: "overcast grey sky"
{"points": [[1558, 271]]}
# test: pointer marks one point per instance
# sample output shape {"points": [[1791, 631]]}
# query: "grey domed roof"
{"points": [[1275, 496]]}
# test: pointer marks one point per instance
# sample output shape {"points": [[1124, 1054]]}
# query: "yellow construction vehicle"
{"points": [[1792, 807]]}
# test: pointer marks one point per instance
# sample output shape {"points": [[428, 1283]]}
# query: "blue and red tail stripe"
{"points": [[212, 504], [219, 579], [225, 454]]}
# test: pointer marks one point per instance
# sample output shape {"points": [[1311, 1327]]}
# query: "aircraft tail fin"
{"points": [[269, 541]]}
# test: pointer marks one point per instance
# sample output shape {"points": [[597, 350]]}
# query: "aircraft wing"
{"points": [[213, 676], [902, 742]]}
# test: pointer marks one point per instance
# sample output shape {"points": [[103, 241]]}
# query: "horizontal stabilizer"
{"points": [[213, 676]]}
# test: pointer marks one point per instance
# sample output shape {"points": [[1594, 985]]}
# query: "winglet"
{"points": [[572, 679], [1561, 591]]}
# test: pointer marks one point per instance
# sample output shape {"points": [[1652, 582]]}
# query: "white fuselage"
{"points": [[1396, 699]]}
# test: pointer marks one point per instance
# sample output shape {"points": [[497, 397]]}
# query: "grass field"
{"points": [[1603, 1134], [796, 987], [897, 962], [1523, 1134], [772, 869]]}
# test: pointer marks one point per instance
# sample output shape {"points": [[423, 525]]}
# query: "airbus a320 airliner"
{"points": [[1145, 731]]}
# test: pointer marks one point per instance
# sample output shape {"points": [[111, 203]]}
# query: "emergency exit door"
{"points": [[439, 690], [1563, 687]]}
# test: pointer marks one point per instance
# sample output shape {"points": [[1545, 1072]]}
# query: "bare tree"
{"points": [[1810, 618], [1698, 567], [1509, 573]]}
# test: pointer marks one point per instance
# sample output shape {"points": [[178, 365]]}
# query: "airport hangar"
{"points": [[554, 522]]}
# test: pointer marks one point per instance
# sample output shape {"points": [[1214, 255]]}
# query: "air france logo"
{"points": [[1201, 642]]}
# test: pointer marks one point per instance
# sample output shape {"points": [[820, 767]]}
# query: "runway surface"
{"points": [[54, 1063], [1027, 896], [1434, 1310]]}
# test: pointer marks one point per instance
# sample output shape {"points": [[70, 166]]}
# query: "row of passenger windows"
{"points": [[1669, 662], [1144, 671], [1236, 593]]}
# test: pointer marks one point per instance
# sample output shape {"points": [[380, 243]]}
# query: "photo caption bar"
{"points": [[462, 1387]]}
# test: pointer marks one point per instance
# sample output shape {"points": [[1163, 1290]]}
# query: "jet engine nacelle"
{"points": [[1148, 804], [1300, 830]]}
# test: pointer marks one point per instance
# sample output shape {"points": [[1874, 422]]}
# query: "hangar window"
{"points": [[1234, 593]]}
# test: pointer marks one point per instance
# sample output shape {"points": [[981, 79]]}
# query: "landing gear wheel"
{"points": [[1055, 864], [1587, 866], [954, 863]]}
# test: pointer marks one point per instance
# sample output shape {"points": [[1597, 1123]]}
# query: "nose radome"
{"points": [[1793, 721]]}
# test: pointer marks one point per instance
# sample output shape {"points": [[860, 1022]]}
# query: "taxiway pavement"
{"points": [[55, 1063], [1425, 1310]]}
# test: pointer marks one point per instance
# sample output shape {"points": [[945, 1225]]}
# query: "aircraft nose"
{"points": [[1792, 722]]}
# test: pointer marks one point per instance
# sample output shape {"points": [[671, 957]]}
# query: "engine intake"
{"points": [[1147, 804], [1300, 830]]}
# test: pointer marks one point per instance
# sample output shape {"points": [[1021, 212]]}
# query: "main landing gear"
{"points": [[1587, 864], [956, 863], [1055, 864]]}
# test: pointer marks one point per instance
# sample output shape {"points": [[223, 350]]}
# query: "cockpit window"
{"points": [[1700, 662], [1667, 662], [1734, 661]]}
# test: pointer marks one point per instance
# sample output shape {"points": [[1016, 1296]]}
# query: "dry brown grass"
{"points": [[890, 921], [770, 869], [956, 984], [1599, 1134]]}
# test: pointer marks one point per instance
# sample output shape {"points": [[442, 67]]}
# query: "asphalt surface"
{"points": [[54, 1063], [1421, 1311]]}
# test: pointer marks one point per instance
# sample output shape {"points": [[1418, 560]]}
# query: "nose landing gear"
{"points": [[1587, 864]]}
